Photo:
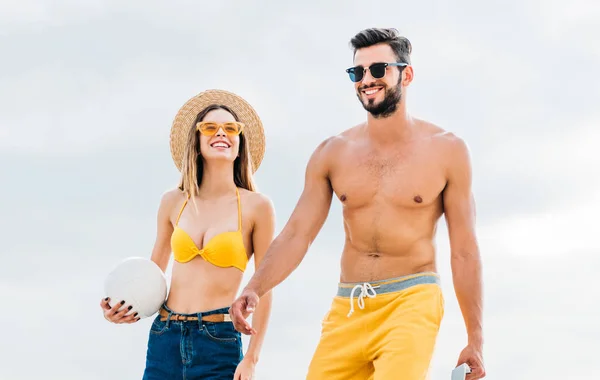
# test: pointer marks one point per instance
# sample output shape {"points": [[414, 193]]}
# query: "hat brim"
{"points": [[186, 116]]}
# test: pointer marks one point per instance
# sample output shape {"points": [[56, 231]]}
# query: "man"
{"points": [[395, 176]]}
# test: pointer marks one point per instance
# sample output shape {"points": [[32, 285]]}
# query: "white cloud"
{"points": [[563, 21], [555, 232], [554, 154], [565, 223], [540, 174]]}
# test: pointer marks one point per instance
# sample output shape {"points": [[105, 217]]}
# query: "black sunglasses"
{"points": [[377, 70]]}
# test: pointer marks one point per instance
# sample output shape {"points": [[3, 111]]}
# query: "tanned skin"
{"points": [[395, 176], [198, 284]]}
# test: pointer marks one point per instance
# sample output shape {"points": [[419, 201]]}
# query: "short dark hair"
{"points": [[373, 36]]}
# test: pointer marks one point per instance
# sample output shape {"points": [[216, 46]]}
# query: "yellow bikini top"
{"points": [[223, 250]]}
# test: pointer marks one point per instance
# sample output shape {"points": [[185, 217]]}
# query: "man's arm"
{"points": [[459, 208], [289, 248]]}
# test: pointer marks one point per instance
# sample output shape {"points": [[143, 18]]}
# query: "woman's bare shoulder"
{"points": [[171, 198], [257, 202]]}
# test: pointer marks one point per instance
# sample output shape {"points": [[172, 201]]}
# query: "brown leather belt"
{"points": [[207, 318]]}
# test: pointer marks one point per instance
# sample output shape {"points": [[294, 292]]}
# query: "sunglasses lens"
{"points": [[209, 128], [232, 128], [355, 74], [377, 70]]}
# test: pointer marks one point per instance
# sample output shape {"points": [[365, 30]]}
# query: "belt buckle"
{"points": [[181, 318]]}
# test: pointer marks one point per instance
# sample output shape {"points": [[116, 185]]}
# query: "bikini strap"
{"points": [[180, 211], [239, 209]]}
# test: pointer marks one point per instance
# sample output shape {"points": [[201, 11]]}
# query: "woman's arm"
{"points": [[262, 236], [164, 229], [160, 255]]}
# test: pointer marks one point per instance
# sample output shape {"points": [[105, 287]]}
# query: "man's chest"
{"points": [[402, 177]]}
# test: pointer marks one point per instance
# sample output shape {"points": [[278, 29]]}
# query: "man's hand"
{"points": [[241, 309], [473, 356]]}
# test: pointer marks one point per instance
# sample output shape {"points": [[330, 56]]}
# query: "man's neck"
{"points": [[391, 129], [217, 180]]}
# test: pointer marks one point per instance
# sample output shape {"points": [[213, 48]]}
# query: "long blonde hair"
{"points": [[192, 166]]}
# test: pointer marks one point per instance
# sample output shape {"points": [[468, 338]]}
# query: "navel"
{"points": [[343, 198], [418, 199]]}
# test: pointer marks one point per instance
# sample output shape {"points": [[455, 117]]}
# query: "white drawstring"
{"points": [[364, 291]]}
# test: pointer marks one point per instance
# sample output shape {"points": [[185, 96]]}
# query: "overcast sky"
{"points": [[88, 91]]}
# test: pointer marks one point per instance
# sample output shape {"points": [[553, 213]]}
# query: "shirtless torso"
{"points": [[392, 200], [393, 194], [393, 191], [395, 176]]}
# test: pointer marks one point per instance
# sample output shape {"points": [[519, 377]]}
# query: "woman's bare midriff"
{"points": [[199, 286]]}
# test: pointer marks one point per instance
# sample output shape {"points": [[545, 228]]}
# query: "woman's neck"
{"points": [[217, 180]]}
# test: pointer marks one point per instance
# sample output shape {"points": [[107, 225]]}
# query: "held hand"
{"points": [[241, 309], [114, 315], [473, 356], [244, 370]]}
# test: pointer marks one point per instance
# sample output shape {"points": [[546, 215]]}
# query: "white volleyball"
{"points": [[140, 283]]}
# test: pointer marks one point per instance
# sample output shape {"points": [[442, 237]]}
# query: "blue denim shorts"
{"points": [[189, 350]]}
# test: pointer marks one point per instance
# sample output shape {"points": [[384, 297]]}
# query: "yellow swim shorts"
{"points": [[383, 330]]}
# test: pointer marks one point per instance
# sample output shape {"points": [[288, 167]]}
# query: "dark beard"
{"points": [[387, 106]]}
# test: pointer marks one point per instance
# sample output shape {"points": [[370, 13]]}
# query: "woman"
{"points": [[213, 223]]}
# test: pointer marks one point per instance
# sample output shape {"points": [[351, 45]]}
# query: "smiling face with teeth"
{"points": [[220, 146], [202, 150], [380, 97]]}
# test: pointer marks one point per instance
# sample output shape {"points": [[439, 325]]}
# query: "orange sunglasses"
{"points": [[209, 128]]}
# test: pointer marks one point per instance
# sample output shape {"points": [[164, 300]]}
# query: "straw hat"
{"points": [[253, 128]]}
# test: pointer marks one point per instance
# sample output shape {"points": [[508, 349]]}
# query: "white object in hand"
{"points": [[460, 372], [140, 283]]}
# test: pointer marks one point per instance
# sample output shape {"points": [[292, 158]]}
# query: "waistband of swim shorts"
{"points": [[392, 284]]}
